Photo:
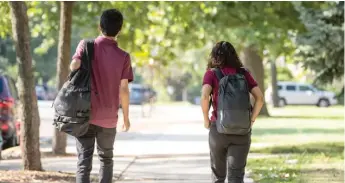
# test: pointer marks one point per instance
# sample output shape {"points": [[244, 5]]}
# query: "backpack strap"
{"points": [[89, 49], [241, 70], [86, 59], [218, 73]]}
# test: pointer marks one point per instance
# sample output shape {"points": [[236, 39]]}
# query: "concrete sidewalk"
{"points": [[171, 146], [136, 169]]}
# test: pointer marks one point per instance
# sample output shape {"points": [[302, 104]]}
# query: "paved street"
{"points": [[171, 146], [170, 130]]}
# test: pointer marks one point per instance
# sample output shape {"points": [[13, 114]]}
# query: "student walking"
{"points": [[111, 73], [229, 85]]}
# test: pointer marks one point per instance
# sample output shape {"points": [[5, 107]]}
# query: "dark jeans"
{"points": [[228, 156], [105, 138]]}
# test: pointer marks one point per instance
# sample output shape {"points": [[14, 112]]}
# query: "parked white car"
{"points": [[294, 93]]}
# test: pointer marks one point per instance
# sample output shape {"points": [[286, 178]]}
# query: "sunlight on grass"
{"points": [[329, 149], [308, 140], [271, 170], [273, 140], [302, 112], [306, 163], [300, 125], [295, 169]]}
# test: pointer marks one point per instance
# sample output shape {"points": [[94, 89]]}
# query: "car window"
{"points": [[1, 85], [290, 87], [304, 88], [314, 88], [4, 91], [137, 90], [279, 87]]}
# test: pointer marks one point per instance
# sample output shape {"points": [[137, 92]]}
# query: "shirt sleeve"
{"points": [[250, 80], [79, 51], [208, 78], [127, 72]]}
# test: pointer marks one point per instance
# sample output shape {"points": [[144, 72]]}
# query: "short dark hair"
{"points": [[223, 54], [111, 22]]}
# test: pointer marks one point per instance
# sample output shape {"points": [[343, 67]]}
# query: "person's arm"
{"points": [[205, 103], [76, 59], [259, 102], [75, 64], [206, 90], [124, 97], [126, 77], [257, 94]]}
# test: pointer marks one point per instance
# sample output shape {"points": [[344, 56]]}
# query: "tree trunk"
{"points": [[253, 62], [64, 55], [275, 97], [28, 101]]}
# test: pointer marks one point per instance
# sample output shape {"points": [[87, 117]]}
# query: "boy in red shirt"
{"points": [[111, 73]]}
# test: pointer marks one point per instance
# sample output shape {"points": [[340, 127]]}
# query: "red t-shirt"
{"points": [[110, 65], [210, 78]]}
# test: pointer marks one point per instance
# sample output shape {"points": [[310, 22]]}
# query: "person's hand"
{"points": [[207, 123], [126, 125], [252, 120]]}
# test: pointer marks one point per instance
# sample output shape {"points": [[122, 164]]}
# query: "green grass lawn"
{"points": [[309, 142]]}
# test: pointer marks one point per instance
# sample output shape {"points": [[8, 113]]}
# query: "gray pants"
{"points": [[228, 156], [105, 138]]}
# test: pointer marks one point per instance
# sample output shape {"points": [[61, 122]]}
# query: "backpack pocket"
{"points": [[72, 110], [73, 126], [235, 122]]}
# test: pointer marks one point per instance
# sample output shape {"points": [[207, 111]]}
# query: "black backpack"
{"points": [[73, 102], [234, 107]]}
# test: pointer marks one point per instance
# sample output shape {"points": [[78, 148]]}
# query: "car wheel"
{"points": [[323, 103], [282, 102], [11, 142]]}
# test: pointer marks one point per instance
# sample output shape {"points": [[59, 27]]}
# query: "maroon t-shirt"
{"points": [[110, 65], [210, 78]]}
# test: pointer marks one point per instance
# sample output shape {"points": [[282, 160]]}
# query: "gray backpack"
{"points": [[73, 102], [233, 108]]}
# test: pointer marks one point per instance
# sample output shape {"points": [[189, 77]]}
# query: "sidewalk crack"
{"points": [[127, 167]]}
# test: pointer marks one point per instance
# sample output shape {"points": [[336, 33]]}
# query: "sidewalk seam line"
{"points": [[127, 167]]}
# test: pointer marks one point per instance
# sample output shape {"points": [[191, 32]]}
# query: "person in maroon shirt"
{"points": [[111, 73], [226, 149]]}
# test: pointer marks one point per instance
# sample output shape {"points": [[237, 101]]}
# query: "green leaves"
{"points": [[170, 32], [321, 47], [5, 21]]}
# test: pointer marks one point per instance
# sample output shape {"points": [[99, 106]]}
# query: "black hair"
{"points": [[223, 54], [111, 22]]}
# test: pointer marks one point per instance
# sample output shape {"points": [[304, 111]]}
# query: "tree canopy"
{"points": [[179, 35], [321, 47]]}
